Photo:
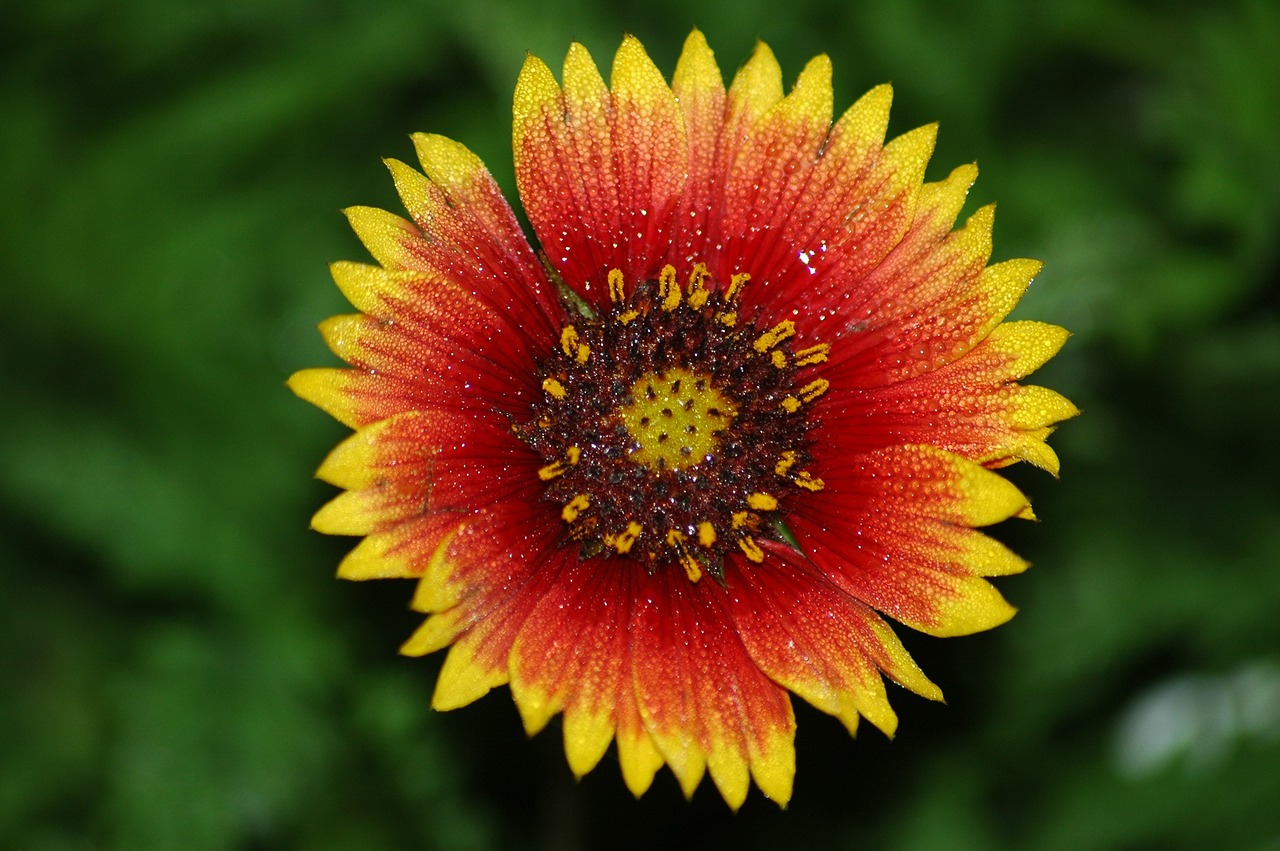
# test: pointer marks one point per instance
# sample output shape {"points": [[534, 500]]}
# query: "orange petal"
{"points": [[421, 346], [702, 699], [773, 162], [972, 406], [892, 531], [820, 643], [811, 219], [699, 90], [600, 171], [571, 655], [479, 588], [466, 231]]}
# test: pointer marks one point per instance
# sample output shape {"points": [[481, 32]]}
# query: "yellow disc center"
{"points": [[676, 419]]}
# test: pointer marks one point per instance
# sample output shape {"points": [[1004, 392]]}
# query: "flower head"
{"points": [[743, 406]]}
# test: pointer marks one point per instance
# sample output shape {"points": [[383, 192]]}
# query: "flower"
{"points": [[744, 405]]}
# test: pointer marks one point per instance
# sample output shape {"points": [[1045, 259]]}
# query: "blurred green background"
{"points": [[181, 672]]}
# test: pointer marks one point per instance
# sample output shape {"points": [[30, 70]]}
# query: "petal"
{"points": [[463, 231], [892, 530], [390, 239], [930, 268], [479, 588], [699, 89], [424, 462], [430, 344], [934, 298], [371, 289], [356, 398], [330, 390], [755, 89], [638, 755], [819, 642], [895, 184], [411, 481], [460, 352], [621, 650], [652, 148], [717, 123], [399, 551], [972, 406], [812, 209], [563, 150], [600, 172], [571, 656], [702, 698], [772, 163], [824, 215]]}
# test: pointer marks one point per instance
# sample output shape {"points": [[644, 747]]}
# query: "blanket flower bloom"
{"points": [[744, 405]]}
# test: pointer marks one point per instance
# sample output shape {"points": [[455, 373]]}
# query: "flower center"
{"points": [[669, 430], [676, 420]]}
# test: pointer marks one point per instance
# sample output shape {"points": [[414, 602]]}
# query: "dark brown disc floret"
{"points": [[670, 429]]}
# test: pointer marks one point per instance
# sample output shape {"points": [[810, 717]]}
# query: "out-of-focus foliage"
{"points": [[179, 671]]}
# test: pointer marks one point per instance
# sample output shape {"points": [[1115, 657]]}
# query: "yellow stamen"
{"points": [[736, 283], [573, 346], [729, 319], [692, 569], [622, 543], [628, 316], [751, 548], [791, 404], [774, 336], [668, 289], [698, 292], [575, 506], [762, 502], [812, 355], [569, 339], [808, 482], [550, 471], [616, 292], [814, 389], [788, 460], [554, 388], [779, 358], [739, 519], [706, 534], [572, 455]]}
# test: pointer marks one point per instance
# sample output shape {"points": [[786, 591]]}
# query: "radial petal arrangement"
{"points": [[739, 409]]}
